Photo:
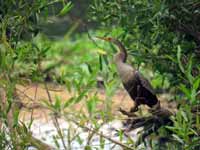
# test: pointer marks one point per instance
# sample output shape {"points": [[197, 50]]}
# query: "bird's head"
{"points": [[108, 39], [122, 54]]}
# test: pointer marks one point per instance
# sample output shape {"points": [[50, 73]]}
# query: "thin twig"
{"points": [[55, 120], [104, 136], [30, 98]]}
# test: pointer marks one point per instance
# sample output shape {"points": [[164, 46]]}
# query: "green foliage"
{"points": [[190, 91], [66, 9], [151, 30], [184, 128], [20, 57], [91, 105], [163, 36]]}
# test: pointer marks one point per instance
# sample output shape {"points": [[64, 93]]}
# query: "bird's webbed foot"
{"points": [[129, 114], [155, 109], [132, 111]]}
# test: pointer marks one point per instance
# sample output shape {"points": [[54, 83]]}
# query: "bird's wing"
{"points": [[145, 83]]}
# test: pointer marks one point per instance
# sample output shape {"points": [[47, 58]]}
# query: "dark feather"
{"points": [[146, 91], [145, 83]]}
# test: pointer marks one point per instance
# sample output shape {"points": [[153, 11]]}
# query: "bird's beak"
{"points": [[102, 38]]}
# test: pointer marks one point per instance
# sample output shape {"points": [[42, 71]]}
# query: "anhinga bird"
{"points": [[138, 87]]}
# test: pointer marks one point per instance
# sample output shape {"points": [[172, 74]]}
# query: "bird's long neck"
{"points": [[122, 55], [125, 71]]}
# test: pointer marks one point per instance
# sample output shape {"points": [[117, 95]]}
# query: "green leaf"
{"points": [[100, 63], [196, 83], [68, 85], [105, 58], [184, 115], [16, 117], [87, 147], [102, 142], [120, 132], [194, 143], [57, 104], [66, 9], [91, 104], [80, 97], [47, 103], [171, 58], [44, 51], [69, 102], [171, 128], [80, 141], [179, 59], [193, 132], [186, 91], [189, 71], [193, 95], [178, 138]]}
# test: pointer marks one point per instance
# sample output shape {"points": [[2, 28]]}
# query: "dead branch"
{"points": [[150, 124]]}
